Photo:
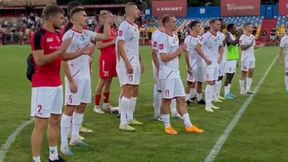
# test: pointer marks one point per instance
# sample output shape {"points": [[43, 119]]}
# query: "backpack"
{"points": [[30, 67]]}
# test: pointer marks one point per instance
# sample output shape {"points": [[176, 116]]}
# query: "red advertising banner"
{"points": [[177, 8], [240, 7], [283, 7]]}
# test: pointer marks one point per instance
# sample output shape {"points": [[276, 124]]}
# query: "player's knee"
{"points": [[166, 102], [69, 109], [54, 120], [40, 124], [286, 73], [80, 109]]}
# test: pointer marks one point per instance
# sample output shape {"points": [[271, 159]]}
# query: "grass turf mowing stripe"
{"points": [[222, 139]]}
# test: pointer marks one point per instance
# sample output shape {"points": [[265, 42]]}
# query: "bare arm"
{"points": [[70, 56], [106, 33], [201, 54], [122, 52], [100, 44], [155, 58], [229, 40], [187, 62], [72, 84], [165, 57], [41, 59], [221, 52], [67, 71]]}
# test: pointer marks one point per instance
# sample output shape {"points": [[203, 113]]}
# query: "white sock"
{"points": [[36, 159], [132, 105], [65, 128], [173, 107], [53, 153], [76, 124], [229, 88], [219, 86], [187, 97], [248, 84], [119, 102], [70, 128], [226, 90], [186, 120], [242, 85], [192, 92], [166, 120], [124, 108], [214, 91], [157, 103], [154, 96], [209, 95], [286, 82], [199, 96]]}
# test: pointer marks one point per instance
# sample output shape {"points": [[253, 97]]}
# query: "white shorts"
{"points": [[46, 101], [247, 64], [83, 94], [230, 67], [212, 72], [130, 79], [190, 77], [222, 69], [197, 74], [172, 88]]}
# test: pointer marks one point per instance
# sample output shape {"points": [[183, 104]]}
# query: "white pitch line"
{"points": [[222, 139], [6, 146], [11, 139]]}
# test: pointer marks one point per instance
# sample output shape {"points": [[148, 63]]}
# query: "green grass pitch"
{"points": [[261, 135]]}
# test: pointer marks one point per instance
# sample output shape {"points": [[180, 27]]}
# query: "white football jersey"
{"points": [[192, 42], [129, 33], [247, 40], [211, 44], [284, 44], [79, 66], [168, 44]]}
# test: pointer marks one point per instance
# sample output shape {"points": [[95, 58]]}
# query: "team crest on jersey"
{"points": [[48, 40], [166, 92], [130, 78], [161, 46], [155, 44], [120, 33]]}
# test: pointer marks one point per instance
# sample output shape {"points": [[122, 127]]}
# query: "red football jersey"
{"points": [[109, 53], [47, 75]]}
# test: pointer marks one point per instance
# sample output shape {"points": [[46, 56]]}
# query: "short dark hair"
{"points": [[213, 21], [76, 10], [193, 24], [71, 5], [165, 19], [230, 27], [51, 10]]}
